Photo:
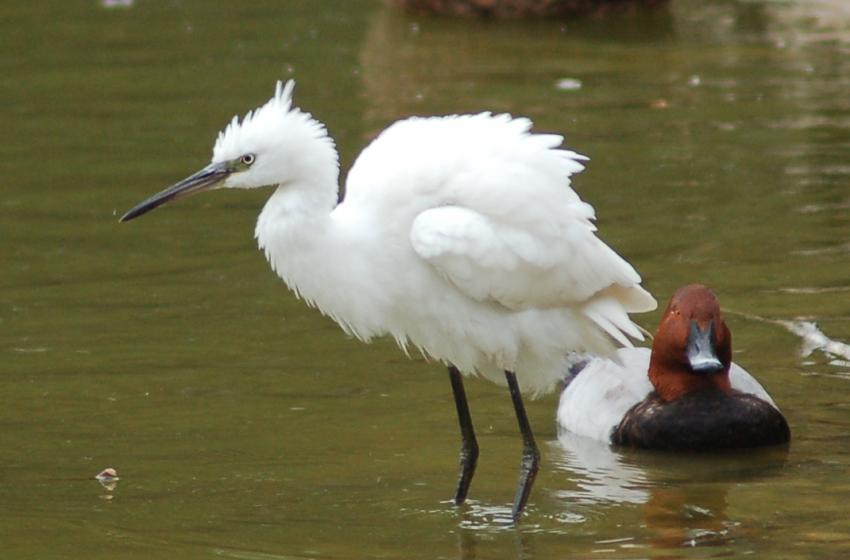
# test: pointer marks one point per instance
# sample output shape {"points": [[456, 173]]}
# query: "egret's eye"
{"points": [[248, 159]]}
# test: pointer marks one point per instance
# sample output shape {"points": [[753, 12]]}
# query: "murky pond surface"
{"points": [[245, 425]]}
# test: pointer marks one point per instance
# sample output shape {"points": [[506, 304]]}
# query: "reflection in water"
{"points": [[526, 8], [811, 336], [684, 516], [683, 496], [600, 474], [116, 3], [488, 517], [108, 478], [815, 339], [813, 21], [470, 545], [680, 500], [421, 65]]}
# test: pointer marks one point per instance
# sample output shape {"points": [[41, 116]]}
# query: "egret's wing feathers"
{"points": [[492, 260], [489, 206], [466, 248]]}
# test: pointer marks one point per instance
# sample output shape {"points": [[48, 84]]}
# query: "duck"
{"points": [[684, 393]]}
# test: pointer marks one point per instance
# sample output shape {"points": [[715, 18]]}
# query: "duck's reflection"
{"points": [[683, 497], [682, 516], [600, 475], [614, 498]]}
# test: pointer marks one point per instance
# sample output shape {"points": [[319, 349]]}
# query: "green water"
{"points": [[245, 425]]}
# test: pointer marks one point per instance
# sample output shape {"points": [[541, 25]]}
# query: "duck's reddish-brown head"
{"points": [[692, 349]]}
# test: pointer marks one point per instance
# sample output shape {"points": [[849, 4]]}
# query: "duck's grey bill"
{"points": [[700, 350], [205, 179]]}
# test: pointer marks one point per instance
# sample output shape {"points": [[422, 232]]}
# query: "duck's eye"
{"points": [[248, 159]]}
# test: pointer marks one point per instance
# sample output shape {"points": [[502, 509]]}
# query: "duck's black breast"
{"points": [[704, 420]]}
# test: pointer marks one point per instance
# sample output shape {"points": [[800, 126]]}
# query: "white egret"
{"points": [[459, 235]]}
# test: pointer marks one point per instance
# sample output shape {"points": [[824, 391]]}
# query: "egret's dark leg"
{"points": [[469, 445], [530, 455]]}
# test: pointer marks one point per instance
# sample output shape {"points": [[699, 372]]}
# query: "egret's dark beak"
{"points": [[207, 178], [700, 350]]}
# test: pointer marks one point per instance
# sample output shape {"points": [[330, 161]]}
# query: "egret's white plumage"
{"points": [[458, 235]]}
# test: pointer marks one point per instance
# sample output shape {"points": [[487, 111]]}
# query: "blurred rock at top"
{"points": [[508, 9]]}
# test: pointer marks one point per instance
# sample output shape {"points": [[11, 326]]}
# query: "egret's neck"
{"points": [[307, 193], [296, 232], [292, 205], [303, 162], [295, 216]]}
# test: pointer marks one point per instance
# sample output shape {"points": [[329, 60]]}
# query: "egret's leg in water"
{"points": [[469, 445], [530, 455]]}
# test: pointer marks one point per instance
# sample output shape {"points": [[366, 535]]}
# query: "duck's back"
{"points": [[704, 420], [600, 391]]}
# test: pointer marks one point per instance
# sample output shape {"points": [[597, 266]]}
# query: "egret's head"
{"points": [[273, 145]]}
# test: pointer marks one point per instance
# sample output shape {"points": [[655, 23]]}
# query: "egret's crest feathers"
{"points": [[260, 127], [231, 136]]}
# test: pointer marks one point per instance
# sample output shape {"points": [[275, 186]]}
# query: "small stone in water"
{"points": [[107, 474]]}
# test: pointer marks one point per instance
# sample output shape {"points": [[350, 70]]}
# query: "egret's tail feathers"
{"points": [[633, 299], [610, 311], [607, 324]]}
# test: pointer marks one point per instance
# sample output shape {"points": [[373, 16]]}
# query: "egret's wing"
{"points": [[469, 250], [489, 206], [528, 265]]}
